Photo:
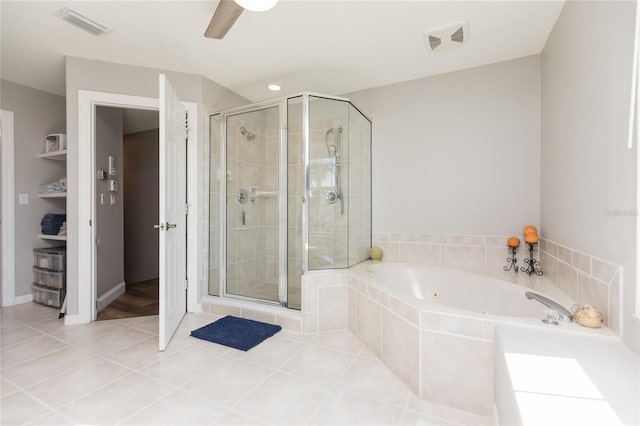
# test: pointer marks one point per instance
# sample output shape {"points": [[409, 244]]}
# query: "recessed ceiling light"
{"points": [[81, 21], [274, 87]]}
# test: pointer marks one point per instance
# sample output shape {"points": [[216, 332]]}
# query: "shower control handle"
{"points": [[331, 197]]}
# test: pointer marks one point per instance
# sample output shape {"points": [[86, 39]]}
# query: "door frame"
{"points": [[87, 102], [8, 214]]}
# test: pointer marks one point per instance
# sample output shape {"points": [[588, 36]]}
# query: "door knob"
{"points": [[165, 226]]}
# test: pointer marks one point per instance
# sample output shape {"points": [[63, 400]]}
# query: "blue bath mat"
{"points": [[238, 333]]}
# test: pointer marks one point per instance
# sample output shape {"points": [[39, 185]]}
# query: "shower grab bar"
{"points": [[563, 313]]}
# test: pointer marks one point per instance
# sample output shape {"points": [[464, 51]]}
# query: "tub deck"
{"points": [[556, 377]]}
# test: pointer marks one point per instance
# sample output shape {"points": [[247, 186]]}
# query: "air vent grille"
{"points": [[447, 37]]}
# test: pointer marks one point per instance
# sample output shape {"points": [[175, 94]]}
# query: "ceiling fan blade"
{"points": [[223, 19]]}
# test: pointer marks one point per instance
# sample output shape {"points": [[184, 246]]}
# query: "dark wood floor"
{"points": [[139, 299]]}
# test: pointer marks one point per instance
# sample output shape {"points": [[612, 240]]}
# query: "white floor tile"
{"points": [[115, 402], [111, 342], [48, 380], [284, 399], [341, 340], [319, 364], [18, 408], [178, 408], [143, 354], [345, 408], [183, 365], [51, 419], [51, 364], [233, 418], [73, 384], [6, 388], [226, 382], [79, 335], [25, 351], [18, 335], [370, 378], [271, 353]]}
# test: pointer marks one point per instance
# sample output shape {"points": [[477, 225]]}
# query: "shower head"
{"points": [[250, 136]]}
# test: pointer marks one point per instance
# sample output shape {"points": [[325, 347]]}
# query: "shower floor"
{"points": [[269, 291]]}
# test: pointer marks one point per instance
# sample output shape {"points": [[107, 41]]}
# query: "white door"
{"points": [[173, 223]]}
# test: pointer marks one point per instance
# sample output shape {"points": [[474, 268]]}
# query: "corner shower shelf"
{"points": [[53, 237], [52, 195], [55, 155]]}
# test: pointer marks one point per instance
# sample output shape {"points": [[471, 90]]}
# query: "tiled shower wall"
{"points": [[586, 279], [252, 248]]}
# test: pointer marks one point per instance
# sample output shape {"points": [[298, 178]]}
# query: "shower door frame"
{"points": [[281, 104]]}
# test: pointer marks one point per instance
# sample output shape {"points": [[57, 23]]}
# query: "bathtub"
{"points": [[449, 290], [435, 326]]}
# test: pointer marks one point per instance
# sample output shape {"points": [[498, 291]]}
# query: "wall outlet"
{"points": [[23, 199]]}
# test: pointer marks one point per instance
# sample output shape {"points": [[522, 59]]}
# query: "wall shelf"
{"points": [[53, 237], [52, 195], [55, 155]]}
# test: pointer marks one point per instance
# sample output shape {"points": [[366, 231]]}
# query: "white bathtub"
{"points": [[454, 291], [435, 326]]}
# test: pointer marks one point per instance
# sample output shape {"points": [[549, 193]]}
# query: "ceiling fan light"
{"points": [[257, 5]]}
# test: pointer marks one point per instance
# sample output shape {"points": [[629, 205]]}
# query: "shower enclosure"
{"points": [[290, 192]]}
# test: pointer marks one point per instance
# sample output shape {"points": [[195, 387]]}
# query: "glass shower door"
{"points": [[252, 213]]}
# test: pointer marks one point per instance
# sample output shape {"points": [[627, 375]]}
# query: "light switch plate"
{"points": [[23, 199]]}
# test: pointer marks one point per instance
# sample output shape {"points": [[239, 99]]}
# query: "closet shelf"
{"points": [[53, 237], [52, 195], [55, 155]]}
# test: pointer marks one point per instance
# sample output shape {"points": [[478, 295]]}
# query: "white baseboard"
{"points": [[18, 300], [104, 300], [72, 320]]}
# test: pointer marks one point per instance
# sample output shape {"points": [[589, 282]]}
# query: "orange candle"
{"points": [[530, 230], [513, 242], [531, 238]]}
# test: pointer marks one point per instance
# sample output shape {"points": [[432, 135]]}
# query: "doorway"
{"points": [[126, 206]]}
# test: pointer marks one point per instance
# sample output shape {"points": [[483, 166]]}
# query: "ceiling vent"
{"points": [[81, 21], [448, 37]]}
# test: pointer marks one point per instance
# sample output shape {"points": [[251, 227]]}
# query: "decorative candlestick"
{"points": [[533, 264], [513, 243]]}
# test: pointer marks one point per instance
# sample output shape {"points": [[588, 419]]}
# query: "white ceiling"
{"points": [[332, 47]]}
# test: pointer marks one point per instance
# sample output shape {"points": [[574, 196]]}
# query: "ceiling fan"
{"points": [[228, 12]]}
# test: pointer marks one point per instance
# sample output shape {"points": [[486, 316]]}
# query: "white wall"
{"points": [[109, 218], [587, 171], [108, 77], [36, 114], [457, 153], [140, 189]]}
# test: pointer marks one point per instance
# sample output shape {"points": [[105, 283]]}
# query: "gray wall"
{"points": [[109, 218], [457, 153], [36, 114], [587, 170], [140, 189], [108, 77]]}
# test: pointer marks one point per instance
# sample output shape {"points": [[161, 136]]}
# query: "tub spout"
{"points": [[563, 313]]}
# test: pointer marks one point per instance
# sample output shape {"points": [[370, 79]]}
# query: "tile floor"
{"points": [[110, 372]]}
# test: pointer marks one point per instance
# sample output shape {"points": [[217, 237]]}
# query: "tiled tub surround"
{"points": [[584, 278], [443, 353]]}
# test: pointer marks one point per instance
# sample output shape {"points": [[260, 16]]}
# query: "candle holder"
{"points": [[533, 265], [512, 261]]}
